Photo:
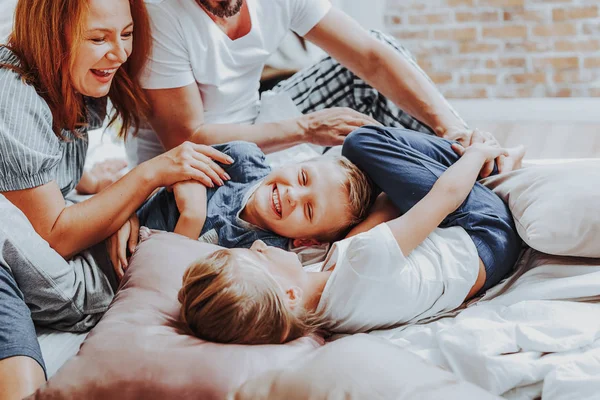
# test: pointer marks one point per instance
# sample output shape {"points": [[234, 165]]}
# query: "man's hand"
{"points": [[467, 138], [126, 238], [329, 127]]}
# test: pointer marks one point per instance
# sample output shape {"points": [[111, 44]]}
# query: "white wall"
{"points": [[368, 12], [7, 8]]}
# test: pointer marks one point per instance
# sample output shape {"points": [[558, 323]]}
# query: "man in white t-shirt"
{"points": [[203, 78]]}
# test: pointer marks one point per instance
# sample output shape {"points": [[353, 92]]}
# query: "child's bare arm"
{"points": [[190, 197], [447, 194], [383, 210]]}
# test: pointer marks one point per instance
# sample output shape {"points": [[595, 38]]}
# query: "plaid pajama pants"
{"points": [[329, 84]]}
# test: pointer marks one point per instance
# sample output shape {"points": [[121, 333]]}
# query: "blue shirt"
{"points": [[224, 203]]}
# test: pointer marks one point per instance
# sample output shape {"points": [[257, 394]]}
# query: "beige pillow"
{"points": [[556, 207], [359, 367]]}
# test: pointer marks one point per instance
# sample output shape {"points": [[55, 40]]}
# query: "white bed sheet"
{"points": [[538, 333], [58, 347]]}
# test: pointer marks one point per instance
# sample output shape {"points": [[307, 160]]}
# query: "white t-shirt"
{"points": [[373, 285], [189, 47]]}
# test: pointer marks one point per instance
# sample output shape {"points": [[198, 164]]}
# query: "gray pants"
{"points": [[65, 295]]}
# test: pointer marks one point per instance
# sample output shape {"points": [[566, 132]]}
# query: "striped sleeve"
{"points": [[29, 150]]}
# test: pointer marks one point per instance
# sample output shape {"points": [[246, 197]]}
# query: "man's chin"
{"points": [[222, 9]]}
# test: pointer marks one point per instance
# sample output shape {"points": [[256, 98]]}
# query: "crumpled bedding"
{"points": [[537, 333]]}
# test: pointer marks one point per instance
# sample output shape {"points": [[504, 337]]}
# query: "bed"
{"points": [[537, 334]]}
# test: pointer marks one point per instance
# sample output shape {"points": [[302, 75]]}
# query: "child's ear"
{"points": [[305, 242], [294, 296]]}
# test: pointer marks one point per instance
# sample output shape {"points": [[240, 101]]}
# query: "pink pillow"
{"points": [[137, 351]]}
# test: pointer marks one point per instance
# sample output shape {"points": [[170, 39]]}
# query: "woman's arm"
{"points": [[190, 197], [70, 230], [447, 194]]}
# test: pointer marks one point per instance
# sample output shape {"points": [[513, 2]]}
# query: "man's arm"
{"points": [[178, 116], [387, 71]]}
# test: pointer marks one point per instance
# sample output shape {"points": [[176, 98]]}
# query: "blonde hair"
{"points": [[225, 301], [359, 188]]}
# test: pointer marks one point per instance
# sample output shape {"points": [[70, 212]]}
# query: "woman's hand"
{"points": [[329, 127], [189, 161], [126, 238]]}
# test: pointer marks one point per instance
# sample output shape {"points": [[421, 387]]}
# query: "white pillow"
{"points": [[556, 207]]}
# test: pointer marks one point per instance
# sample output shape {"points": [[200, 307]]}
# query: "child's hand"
{"points": [[190, 197], [489, 153], [126, 238], [101, 175], [108, 171]]}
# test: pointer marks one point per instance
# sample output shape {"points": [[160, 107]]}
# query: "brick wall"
{"points": [[503, 48]]}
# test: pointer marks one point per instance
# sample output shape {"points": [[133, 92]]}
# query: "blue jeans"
{"points": [[405, 164]]}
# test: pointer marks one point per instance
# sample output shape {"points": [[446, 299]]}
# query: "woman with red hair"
{"points": [[63, 61]]}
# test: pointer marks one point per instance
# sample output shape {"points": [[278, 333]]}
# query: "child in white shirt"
{"points": [[383, 274]]}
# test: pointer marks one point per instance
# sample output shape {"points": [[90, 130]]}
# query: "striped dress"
{"points": [[69, 294], [31, 155]]}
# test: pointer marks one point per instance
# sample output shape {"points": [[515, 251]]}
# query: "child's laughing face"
{"points": [[301, 201]]}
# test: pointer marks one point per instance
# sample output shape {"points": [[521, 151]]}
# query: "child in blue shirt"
{"points": [[310, 202]]}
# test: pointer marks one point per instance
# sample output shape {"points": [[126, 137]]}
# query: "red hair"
{"points": [[44, 36]]}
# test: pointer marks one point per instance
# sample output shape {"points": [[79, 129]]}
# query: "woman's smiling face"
{"points": [[106, 44]]}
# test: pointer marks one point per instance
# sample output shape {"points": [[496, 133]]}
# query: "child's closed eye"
{"points": [[309, 212], [303, 177]]}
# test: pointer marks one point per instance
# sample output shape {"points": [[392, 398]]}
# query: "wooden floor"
{"points": [[547, 140]]}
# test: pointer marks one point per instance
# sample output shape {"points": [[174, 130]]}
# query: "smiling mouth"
{"points": [[276, 200], [104, 73]]}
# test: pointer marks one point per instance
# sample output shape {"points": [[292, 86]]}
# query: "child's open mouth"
{"points": [[276, 202]]}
